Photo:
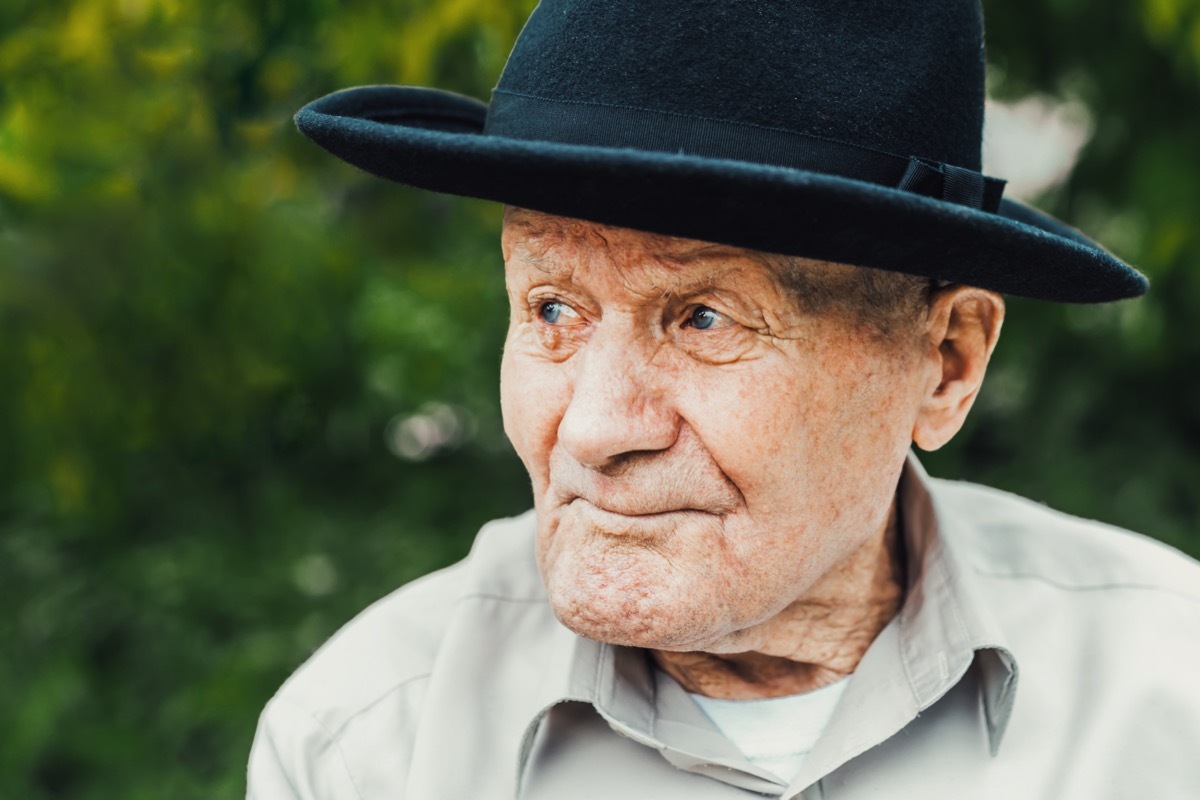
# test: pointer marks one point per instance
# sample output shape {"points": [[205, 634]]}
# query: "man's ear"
{"points": [[964, 324]]}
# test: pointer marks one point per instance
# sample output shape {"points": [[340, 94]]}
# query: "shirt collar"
{"points": [[943, 628], [643, 704], [945, 624]]}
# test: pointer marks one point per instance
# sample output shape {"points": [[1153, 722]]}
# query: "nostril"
{"points": [[601, 427]]}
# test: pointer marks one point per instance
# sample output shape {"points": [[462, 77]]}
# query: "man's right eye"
{"points": [[554, 312]]}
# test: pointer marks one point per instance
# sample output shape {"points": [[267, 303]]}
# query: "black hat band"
{"points": [[527, 117]]}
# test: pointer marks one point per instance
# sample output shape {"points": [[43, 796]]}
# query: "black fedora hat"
{"points": [[845, 130]]}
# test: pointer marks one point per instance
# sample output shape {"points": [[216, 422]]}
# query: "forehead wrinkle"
{"points": [[695, 250], [535, 246], [628, 252], [541, 234], [541, 264], [541, 225]]}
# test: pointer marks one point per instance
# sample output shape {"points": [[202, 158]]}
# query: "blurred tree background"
{"points": [[245, 390]]}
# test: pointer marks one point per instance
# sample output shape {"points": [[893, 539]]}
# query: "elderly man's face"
{"points": [[702, 450]]}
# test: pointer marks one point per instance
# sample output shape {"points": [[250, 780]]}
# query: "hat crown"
{"points": [[900, 77], [845, 131]]}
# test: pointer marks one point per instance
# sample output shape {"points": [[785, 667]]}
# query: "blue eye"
{"points": [[556, 313], [704, 318]]}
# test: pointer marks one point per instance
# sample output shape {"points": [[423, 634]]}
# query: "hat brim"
{"points": [[435, 140]]}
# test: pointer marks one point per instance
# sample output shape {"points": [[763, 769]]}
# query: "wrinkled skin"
{"points": [[713, 470]]}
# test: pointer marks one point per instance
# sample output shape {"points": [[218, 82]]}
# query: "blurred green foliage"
{"points": [[245, 389]]}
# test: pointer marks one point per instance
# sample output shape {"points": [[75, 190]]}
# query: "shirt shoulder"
{"points": [[1008, 536], [396, 640], [363, 690], [1104, 627]]}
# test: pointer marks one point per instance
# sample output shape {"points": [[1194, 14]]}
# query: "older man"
{"points": [[750, 261]]}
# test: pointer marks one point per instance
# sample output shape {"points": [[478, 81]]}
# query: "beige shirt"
{"points": [[463, 685]]}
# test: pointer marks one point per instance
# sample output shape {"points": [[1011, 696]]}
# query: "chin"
{"points": [[632, 613], [655, 585], [645, 634]]}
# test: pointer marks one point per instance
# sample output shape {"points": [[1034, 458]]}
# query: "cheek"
{"points": [[533, 397], [813, 445], [753, 420]]}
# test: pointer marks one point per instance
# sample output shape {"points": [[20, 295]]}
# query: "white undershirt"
{"points": [[779, 733]]}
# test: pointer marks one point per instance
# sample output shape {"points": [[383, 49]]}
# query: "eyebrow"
{"points": [[543, 264], [714, 279]]}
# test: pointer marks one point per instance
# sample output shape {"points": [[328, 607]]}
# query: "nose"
{"points": [[618, 402]]}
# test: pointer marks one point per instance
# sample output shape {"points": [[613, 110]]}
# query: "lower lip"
{"points": [[650, 525]]}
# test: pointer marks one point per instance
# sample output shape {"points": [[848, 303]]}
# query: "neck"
{"points": [[817, 640]]}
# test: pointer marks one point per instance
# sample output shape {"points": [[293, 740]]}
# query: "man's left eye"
{"points": [[554, 312], [704, 318]]}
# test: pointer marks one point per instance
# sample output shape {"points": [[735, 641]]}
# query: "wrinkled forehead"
{"points": [[559, 245], [556, 244]]}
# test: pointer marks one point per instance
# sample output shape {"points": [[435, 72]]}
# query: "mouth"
{"points": [[636, 522], [630, 511], [633, 509]]}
